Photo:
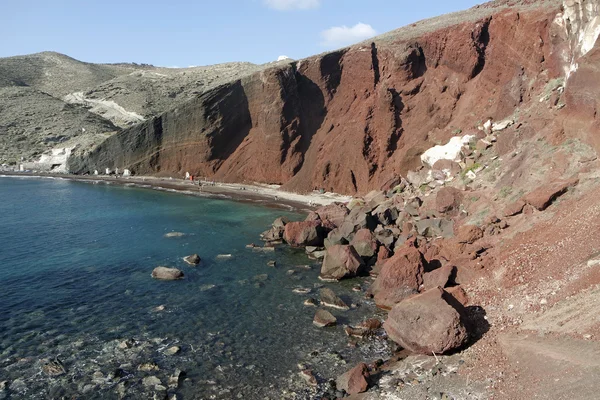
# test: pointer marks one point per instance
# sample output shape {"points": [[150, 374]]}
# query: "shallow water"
{"points": [[75, 264]]}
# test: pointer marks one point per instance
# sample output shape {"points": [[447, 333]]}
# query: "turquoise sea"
{"points": [[76, 291]]}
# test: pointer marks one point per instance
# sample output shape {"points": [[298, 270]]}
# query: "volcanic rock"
{"points": [[514, 208], [543, 196], [469, 234], [354, 381], [341, 261], [303, 233], [330, 299], [438, 277], [364, 243], [448, 200], [400, 277], [167, 274], [431, 322], [335, 213], [334, 237], [324, 318]]}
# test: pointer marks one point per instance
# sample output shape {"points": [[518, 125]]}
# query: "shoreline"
{"points": [[267, 195]]}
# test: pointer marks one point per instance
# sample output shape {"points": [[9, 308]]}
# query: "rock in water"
{"points": [[354, 381], [341, 261], [194, 259], [174, 234], [431, 322], [400, 277], [167, 274], [308, 377], [324, 318], [330, 299]]}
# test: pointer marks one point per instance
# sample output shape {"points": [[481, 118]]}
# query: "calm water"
{"points": [[75, 264]]}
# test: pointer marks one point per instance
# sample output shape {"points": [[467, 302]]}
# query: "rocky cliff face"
{"points": [[351, 120]]}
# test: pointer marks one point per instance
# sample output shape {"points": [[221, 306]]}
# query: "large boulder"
{"points": [[334, 237], [354, 381], [431, 322], [303, 233], [341, 261], [167, 274], [543, 196], [334, 213], [359, 218], [400, 277], [364, 243], [386, 212], [374, 198], [330, 299], [448, 200], [439, 277]]}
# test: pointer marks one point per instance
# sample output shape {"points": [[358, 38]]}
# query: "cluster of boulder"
{"points": [[389, 236]]}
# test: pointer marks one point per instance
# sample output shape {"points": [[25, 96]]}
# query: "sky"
{"points": [[183, 33]]}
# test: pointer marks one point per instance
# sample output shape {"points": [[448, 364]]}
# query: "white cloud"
{"points": [[284, 5], [340, 36]]}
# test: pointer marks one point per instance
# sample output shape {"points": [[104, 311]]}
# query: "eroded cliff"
{"points": [[349, 121]]}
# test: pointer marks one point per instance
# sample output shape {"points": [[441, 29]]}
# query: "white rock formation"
{"points": [[449, 151]]}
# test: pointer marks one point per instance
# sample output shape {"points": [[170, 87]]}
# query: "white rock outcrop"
{"points": [[449, 151]]}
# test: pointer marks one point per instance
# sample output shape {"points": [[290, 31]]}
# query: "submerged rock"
{"points": [[308, 377], [431, 322], [174, 234], [324, 318], [167, 274], [53, 368], [193, 259]]}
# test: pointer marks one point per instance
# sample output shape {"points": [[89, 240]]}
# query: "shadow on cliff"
{"points": [[233, 111]]}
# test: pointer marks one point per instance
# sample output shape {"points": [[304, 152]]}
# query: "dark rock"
{"points": [[431, 322], [364, 243], [304, 233], [330, 299], [324, 318], [193, 259], [341, 261], [400, 277], [165, 273], [354, 381], [359, 218]]}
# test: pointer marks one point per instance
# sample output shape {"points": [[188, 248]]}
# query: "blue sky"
{"points": [[185, 32]]}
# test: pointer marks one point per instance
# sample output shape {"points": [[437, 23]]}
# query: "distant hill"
{"points": [[49, 99]]}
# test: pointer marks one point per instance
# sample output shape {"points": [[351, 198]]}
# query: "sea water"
{"points": [[76, 291]]}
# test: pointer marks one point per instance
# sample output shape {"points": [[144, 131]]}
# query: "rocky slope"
{"points": [[350, 120]]}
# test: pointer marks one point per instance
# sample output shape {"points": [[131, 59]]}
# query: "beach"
{"points": [[269, 195]]}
